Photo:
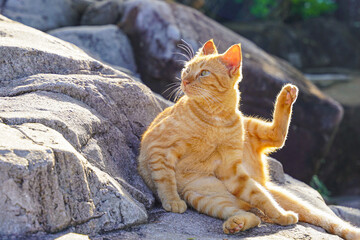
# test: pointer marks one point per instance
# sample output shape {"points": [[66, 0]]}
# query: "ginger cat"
{"points": [[204, 151]]}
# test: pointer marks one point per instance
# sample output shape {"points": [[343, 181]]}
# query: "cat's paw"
{"points": [[289, 94], [176, 206], [287, 218], [239, 223], [352, 234]]}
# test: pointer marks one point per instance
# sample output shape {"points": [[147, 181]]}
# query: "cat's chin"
{"points": [[190, 95], [187, 91]]}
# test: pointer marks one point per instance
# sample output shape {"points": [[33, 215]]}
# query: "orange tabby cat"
{"points": [[204, 151]]}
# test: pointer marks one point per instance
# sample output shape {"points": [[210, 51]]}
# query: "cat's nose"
{"points": [[185, 82]]}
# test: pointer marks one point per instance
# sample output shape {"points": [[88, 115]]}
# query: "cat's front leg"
{"points": [[272, 135], [282, 114], [163, 176]]}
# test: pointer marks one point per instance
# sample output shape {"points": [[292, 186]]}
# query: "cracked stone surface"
{"points": [[95, 115], [69, 138], [49, 186]]}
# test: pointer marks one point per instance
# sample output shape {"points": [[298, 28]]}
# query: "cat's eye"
{"points": [[204, 73]]}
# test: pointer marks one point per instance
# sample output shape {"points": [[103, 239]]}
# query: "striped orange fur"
{"points": [[203, 152]]}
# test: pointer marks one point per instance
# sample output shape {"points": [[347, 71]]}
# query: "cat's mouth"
{"points": [[186, 89]]}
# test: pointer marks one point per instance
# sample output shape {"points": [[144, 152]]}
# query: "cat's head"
{"points": [[209, 74]]}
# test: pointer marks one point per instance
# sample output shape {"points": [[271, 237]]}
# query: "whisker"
{"points": [[174, 87], [175, 83], [186, 49], [171, 86], [178, 94], [182, 61], [172, 93], [208, 94], [189, 46], [183, 47], [218, 44], [216, 99], [182, 55], [201, 93], [213, 98], [207, 98]]}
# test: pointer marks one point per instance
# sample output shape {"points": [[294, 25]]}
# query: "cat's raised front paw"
{"points": [[176, 206], [290, 93], [239, 223]]}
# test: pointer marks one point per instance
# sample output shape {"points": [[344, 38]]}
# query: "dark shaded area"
{"points": [[314, 43], [343, 166]]}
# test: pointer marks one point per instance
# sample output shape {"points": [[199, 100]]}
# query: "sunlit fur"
{"points": [[202, 151]]}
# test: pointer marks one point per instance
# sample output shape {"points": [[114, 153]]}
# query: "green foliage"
{"points": [[283, 10], [318, 185], [302, 9], [312, 8], [261, 8]]}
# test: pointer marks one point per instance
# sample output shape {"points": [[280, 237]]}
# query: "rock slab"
{"points": [[107, 43], [70, 129], [48, 186], [41, 14]]}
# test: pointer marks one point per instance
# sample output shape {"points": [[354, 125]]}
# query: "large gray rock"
{"points": [[25, 51], [103, 118], [103, 12], [48, 186], [41, 14], [81, 5], [105, 43], [69, 138], [348, 214], [156, 27]]}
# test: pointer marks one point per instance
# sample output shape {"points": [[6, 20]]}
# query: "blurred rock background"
{"points": [[93, 95]]}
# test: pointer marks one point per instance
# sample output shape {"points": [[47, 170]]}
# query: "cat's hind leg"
{"points": [[307, 213], [209, 195], [244, 187]]}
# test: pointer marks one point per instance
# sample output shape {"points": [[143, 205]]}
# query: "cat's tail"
{"points": [[309, 214]]}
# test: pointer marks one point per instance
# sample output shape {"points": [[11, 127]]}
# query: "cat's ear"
{"points": [[208, 48], [232, 58]]}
